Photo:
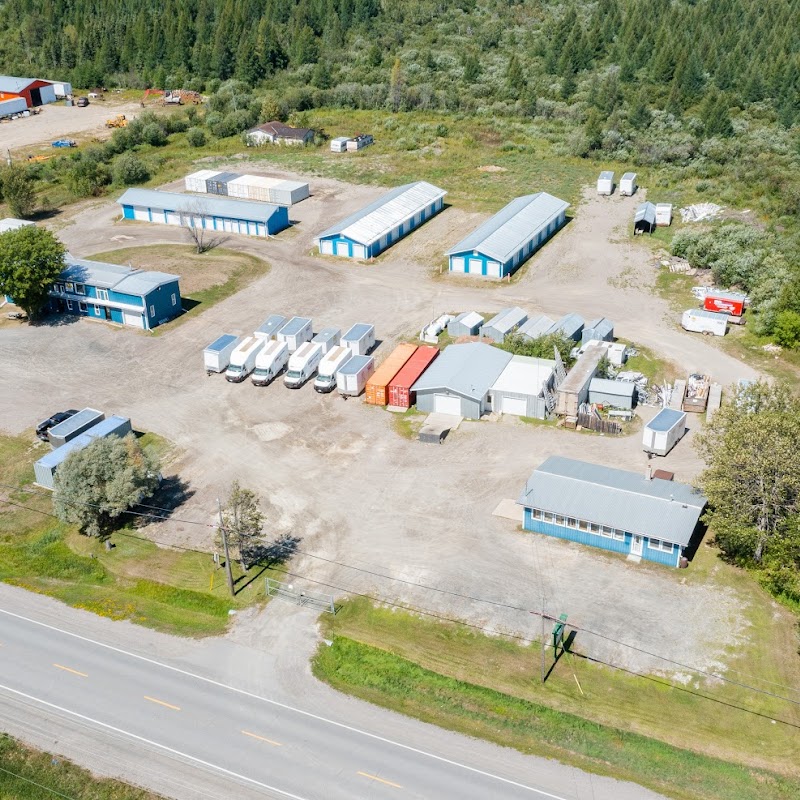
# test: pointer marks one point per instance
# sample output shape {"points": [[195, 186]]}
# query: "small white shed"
{"points": [[663, 215], [664, 431], [605, 183], [628, 185]]}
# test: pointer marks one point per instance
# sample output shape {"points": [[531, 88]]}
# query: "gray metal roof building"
{"points": [[570, 325], [380, 224], [536, 327], [644, 221], [600, 329], [617, 394], [459, 380], [496, 248], [503, 323], [468, 323]]}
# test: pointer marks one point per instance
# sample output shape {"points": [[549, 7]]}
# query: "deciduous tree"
{"points": [[243, 522], [18, 190]]}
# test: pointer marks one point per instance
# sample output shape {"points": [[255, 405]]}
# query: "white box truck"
{"points": [[605, 183], [303, 365], [628, 185], [217, 355], [328, 338], [699, 320], [353, 376], [295, 332], [360, 338], [270, 362], [326, 374], [243, 359], [664, 431], [272, 324]]}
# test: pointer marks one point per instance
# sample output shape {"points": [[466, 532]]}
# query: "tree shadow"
{"points": [[171, 494], [265, 556], [55, 319]]}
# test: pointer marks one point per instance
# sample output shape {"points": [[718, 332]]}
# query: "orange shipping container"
{"points": [[377, 385], [400, 393]]}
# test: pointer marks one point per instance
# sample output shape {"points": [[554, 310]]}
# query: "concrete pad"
{"points": [[509, 509]]}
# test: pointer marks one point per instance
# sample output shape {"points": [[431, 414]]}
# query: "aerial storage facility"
{"points": [[379, 225], [258, 188], [502, 243], [211, 212]]}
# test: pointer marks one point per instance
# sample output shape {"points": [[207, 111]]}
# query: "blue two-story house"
{"points": [[115, 293], [613, 509]]}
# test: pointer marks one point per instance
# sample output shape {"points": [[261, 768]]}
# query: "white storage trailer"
{"points": [[295, 332], [699, 320], [360, 338], [605, 183], [353, 376], [217, 355], [328, 338], [270, 362], [74, 426], [270, 327], [339, 144], [196, 182], [243, 359], [302, 365], [664, 431], [628, 185], [334, 360], [663, 215]]}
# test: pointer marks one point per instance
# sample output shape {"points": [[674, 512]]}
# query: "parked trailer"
{"points": [[217, 355], [732, 303], [297, 331], [74, 426], [360, 338], [696, 397], [270, 327], [400, 393], [359, 142], [628, 185], [328, 338], [708, 323], [302, 365], [664, 431], [218, 184], [243, 359], [339, 144], [333, 361], [378, 384], [198, 181], [270, 362], [605, 183], [353, 376]]}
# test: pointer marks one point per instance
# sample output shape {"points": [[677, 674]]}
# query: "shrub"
{"points": [[153, 134], [130, 169], [196, 137]]}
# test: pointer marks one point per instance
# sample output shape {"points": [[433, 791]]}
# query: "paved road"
{"points": [[197, 736]]}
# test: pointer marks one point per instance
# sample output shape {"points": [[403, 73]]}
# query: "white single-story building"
{"points": [[520, 387]]}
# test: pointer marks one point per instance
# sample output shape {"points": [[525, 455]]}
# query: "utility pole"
{"points": [[224, 534], [543, 643]]}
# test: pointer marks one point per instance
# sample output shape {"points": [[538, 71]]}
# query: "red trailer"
{"points": [[726, 302], [400, 393]]}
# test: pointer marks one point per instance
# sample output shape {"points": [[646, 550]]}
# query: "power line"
{"points": [[38, 785]]}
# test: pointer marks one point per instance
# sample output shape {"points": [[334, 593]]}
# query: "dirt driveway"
{"points": [[337, 474]]}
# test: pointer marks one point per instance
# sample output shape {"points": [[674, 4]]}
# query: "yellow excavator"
{"points": [[117, 122]]}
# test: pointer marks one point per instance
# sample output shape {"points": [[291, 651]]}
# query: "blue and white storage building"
{"points": [[115, 293], [613, 509], [504, 242], [212, 212], [379, 225]]}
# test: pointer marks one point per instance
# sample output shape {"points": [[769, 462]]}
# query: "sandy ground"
{"points": [[56, 121], [337, 475]]}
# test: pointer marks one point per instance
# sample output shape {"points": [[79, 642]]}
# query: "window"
{"points": [[80, 288], [559, 520], [102, 294], [536, 513], [619, 535], [594, 527], [82, 306], [70, 286], [583, 525], [98, 312], [548, 517], [60, 288], [152, 311], [657, 544], [174, 299], [69, 305], [607, 532], [572, 523]]}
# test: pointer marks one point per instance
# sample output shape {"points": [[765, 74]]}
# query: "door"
{"points": [[174, 218], [107, 311], [475, 266], [493, 269], [445, 404], [359, 251], [36, 97], [514, 405], [141, 214], [326, 247], [133, 319], [342, 249], [636, 545], [457, 264]]}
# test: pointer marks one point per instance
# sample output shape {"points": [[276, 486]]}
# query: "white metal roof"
{"points": [[470, 319], [388, 212], [11, 224], [208, 205], [511, 228], [524, 375], [536, 326], [629, 176], [203, 174], [647, 212], [616, 388]]}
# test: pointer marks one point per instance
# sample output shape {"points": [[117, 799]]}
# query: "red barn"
{"points": [[34, 91]]}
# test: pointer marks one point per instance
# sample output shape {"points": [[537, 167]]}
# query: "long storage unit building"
{"points": [[210, 212], [499, 246], [378, 384], [379, 225]]}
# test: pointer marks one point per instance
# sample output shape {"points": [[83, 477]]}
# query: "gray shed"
{"points": [[617, 394], [536, 327], [644, 221], [467, 323], [570, 325], [600, 330], [459, 380], [519, 389], [74, 426], [503, 323]]}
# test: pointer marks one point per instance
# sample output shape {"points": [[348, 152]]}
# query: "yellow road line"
{"points": [[261, 738], [162, 703], [380, 780], [73, 671]]}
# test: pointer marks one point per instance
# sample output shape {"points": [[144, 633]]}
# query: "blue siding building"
{"points": [[209, 211], [504, 242], [379, 225], [624, 512], [116, 294]]}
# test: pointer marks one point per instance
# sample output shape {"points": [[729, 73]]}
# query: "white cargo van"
{"points": [[353, 376], [270, 362], [295, 332], [326, 375], [707, 322], [302, 365], [243, 359], [360, 338]]}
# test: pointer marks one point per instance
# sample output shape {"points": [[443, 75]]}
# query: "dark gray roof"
{"points": [[206, 205], [114, 276], [466, 369], [666, 420], [620, 499], [511, 228]]}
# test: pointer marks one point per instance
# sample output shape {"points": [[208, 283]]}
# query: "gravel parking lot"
{"points": [[338, 475]]}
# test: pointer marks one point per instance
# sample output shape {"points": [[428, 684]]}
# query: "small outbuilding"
{"points": [[458, 382], [520, 387], [612, 394], [598, 330], [374, 228], [34, 91], [499, 246], [570, 325], [605, 183], [466, 324], [574, 389], [663, 215], [644, 221], [278, 133], [664, 431], [536, 327], [503, 323]]}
